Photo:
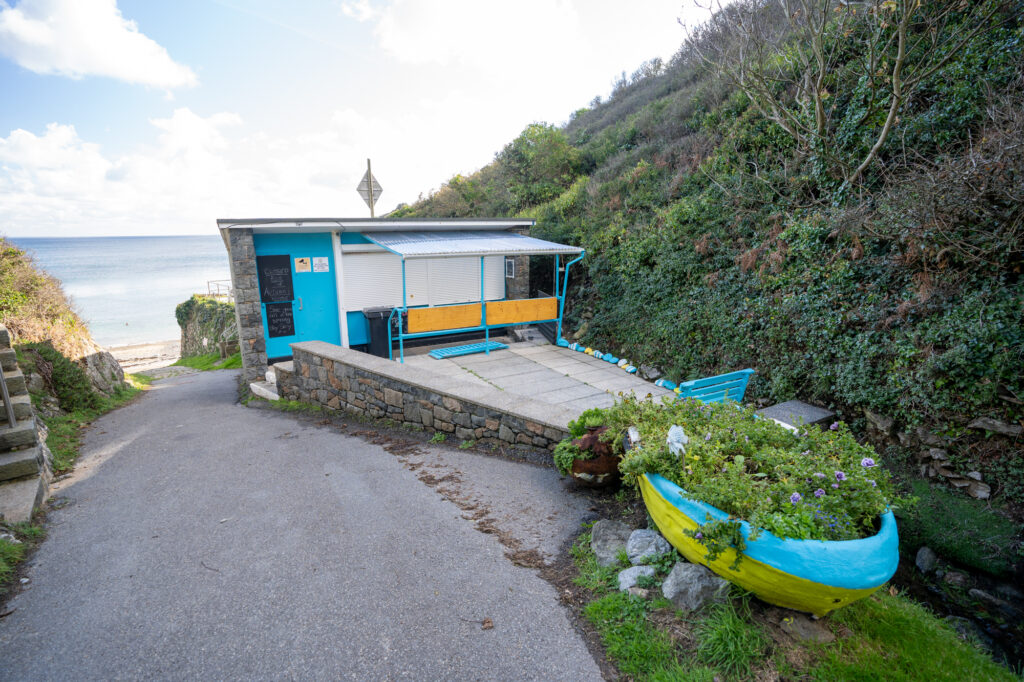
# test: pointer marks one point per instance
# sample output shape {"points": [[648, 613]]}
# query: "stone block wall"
{"points": [[338, 378], [248, 312], [519, 286]]}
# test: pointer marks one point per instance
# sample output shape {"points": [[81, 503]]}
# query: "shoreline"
{"points": [[139, 357]]}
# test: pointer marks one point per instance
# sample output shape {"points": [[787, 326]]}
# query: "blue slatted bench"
{"points": [[729, 386], [468, 349]]}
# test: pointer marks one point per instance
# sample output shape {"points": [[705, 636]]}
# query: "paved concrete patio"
{"points": [[544, 372]]}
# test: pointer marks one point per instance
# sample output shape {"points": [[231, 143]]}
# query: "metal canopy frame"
{"points": [[416, 245]]}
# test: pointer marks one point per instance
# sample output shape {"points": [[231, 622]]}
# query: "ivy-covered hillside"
{"points": [[789, 212]]}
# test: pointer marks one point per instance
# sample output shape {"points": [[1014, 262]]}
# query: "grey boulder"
{"points": [[690, 587], [607, 539], [925, 560], [628, 577], [646, 544]]}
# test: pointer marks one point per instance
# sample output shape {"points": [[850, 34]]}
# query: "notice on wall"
{"points": [[302, 264], [275, 277], [280, 320], [321, 264]]}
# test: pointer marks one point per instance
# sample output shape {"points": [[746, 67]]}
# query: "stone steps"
{"points": [[264, 389], [15, 382], [21, 463], [22, 405], [20, 496], [5, 338], [8, 360], [22, 434]]}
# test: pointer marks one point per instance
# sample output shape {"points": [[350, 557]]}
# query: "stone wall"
{"points": [[338, 378], [519, 286], [248, 314]]}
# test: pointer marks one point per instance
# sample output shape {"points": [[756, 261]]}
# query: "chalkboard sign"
{"points": [[279, 320], [275, 274]]}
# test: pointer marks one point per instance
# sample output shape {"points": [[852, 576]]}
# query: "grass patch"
{"points": [[895, 638], [65, 430], [637, 647], [883, 637], [438, 437], [293, 406], [12, 553], [960, 528], [210, 361], [729, 641]]}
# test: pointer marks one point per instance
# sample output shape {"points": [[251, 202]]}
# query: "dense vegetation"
{"points": [[33, 305], [717, 239]]}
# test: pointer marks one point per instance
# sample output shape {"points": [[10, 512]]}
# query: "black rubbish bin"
{"points": [[377, 320]]}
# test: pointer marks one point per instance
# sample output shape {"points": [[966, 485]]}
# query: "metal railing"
{"points": [[220, 288], [7, 399]]}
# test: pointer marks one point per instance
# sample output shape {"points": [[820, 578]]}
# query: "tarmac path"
{"points": [[200, 539]]}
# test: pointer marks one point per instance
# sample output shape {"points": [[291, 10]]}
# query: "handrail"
{"points": [[7, 400]]}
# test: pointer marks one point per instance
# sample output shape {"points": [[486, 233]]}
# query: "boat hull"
{"points": [[805, 575]]}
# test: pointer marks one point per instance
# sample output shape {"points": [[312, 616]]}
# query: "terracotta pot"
{"points": [[600, 472]]}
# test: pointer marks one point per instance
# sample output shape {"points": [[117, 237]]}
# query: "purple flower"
{"points": [[794, 498], [873, 484], [819, 492], [746, 439], [805, 453], [840, 476], [867, 462], [707, 436], [698, 536], [835, 485], [818, 474], [835, 426]]}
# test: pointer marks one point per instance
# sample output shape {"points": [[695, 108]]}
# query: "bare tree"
{"points": [[785, 54]]}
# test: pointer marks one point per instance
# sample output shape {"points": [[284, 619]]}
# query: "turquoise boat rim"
{"points": [[859, 564]]}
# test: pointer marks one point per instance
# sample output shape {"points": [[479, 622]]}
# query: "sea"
{"points": [[126, 288]]}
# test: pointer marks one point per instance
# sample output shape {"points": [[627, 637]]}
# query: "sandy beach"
{"points": [[144, 356]]}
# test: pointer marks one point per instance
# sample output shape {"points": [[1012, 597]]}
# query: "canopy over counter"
{"points": [[466, 243], [452, 319]]}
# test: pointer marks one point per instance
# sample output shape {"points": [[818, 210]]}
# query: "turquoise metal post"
{"points": [[401, 334], [558, 262], [483, 311], [561, 300]]}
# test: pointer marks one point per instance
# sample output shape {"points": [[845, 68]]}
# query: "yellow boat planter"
{"points": [[806, 575]]}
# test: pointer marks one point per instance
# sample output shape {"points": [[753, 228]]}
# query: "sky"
{"points": [[136, 117]]}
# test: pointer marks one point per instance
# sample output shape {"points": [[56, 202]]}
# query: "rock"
{"points": [[955, 578], [650, 373], [979, 491], [928, 438], [976, 475], [907, 440], [608, 539], [959, 482], [646, 544], [10, 538], [628, 577], [938, 454], [103, 370], [802, 628], [1008, 591], [641, 592], [970, 631], [986, 424], [885, 425], [690, 587], [926, 560]]}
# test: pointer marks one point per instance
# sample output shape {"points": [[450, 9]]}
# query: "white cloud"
{"points": [[78, 38]]}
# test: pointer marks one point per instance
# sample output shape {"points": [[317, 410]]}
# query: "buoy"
{"points": [[589, 351], [622, 363], [608, 357], [665, 383]]}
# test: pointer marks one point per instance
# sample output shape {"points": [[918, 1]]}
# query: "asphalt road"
{"points": [[205, 540]]}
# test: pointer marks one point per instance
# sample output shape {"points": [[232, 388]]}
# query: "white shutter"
{"points": [[375, 279], [494, 277], [454, 280]]}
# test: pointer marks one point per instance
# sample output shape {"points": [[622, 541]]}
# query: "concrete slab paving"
{"points": [[545, 372], [200, 539]]}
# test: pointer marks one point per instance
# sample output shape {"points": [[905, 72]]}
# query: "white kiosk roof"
{"points": [[466, 243]]}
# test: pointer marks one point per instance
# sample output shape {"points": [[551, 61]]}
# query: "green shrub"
{"points": [[566, 453], [68, 381]]}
